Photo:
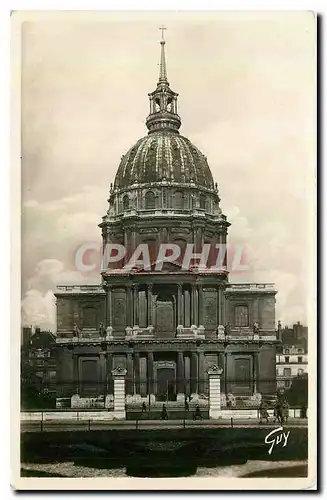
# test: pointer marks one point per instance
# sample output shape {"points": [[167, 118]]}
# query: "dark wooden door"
{"points": [[89, 383], [166, 384], [243, 379]]}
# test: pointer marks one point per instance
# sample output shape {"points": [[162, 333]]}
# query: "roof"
{"points": [[164, 156]]}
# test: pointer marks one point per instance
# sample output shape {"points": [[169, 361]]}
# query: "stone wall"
{"points": [[267, 313], [267, 369], [65, 372], [261, 309], [87, 311]]}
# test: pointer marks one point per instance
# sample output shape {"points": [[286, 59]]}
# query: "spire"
{"points": [[163, 70], [163, 101]]}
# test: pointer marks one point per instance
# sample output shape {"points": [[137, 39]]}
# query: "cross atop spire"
{"points": [[162, 28], [163, 70]]}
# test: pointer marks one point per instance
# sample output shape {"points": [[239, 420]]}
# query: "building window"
{"points": [[126, 202], [299, 358], [179, 200], [300, 371], [241, 316], [287, 372], [287, 384], [300, 351], [150, 200], [202, 201], [287, 359], [287, 351]]}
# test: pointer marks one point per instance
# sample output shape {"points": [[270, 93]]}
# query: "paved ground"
{"points": [[59, 425]]}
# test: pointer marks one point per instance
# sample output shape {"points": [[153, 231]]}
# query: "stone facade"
{"points": [[166, 326]]}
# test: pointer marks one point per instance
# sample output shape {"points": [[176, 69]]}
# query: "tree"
{"points": [[297, 395]]}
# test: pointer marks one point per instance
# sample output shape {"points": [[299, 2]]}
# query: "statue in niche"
{"points": [[76, 330], [227, 329], [221, 331], [101, 329], [109, 331]]}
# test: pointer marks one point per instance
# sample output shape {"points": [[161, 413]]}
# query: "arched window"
{"points": [[181, 242], [126, 202], [202, 201], [241, 316], [157, 105], [179, 200], [150, 200]]}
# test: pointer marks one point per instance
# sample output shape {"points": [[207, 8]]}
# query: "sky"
{"points": [[246, 84]]}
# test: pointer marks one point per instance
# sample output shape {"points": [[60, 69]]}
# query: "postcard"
{"points": [[163, 211]]}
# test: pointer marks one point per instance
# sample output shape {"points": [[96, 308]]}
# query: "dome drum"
{"points": [[177, 198]]}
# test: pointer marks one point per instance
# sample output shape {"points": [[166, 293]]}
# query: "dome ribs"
{"points": [[160, 155], [159, 166], [134, 173], [170, 159], [192, 173]]}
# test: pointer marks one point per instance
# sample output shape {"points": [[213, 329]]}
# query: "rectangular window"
{"points": [[299, 358], [287, 359], [287, 384], [287, 372], [300, 371], [241, 316]]}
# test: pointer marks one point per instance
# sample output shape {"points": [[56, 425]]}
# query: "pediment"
{"points": [[172, 267]]}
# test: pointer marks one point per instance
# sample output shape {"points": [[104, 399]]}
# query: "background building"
{"points": [[292, 360], [38, 367]]}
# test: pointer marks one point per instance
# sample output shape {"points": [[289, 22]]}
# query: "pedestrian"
{"points": [[143, 407], [278, 412], [263, 409], [164, 414], [186, 405], [197, 413], [285, 410]]}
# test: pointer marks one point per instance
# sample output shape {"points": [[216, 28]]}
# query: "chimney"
{"points": [[27, 333]]}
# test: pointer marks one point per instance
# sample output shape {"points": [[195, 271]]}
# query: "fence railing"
{"points": [[84, 420], [169, 387], [234, 393]]}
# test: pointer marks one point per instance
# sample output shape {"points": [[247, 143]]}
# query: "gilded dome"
{"points": [[164, 156]]}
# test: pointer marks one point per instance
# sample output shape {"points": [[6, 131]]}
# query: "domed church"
{"points": [[166, 323]]}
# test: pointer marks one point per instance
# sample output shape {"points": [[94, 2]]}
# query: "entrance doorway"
{"points": [[166, 384]]}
